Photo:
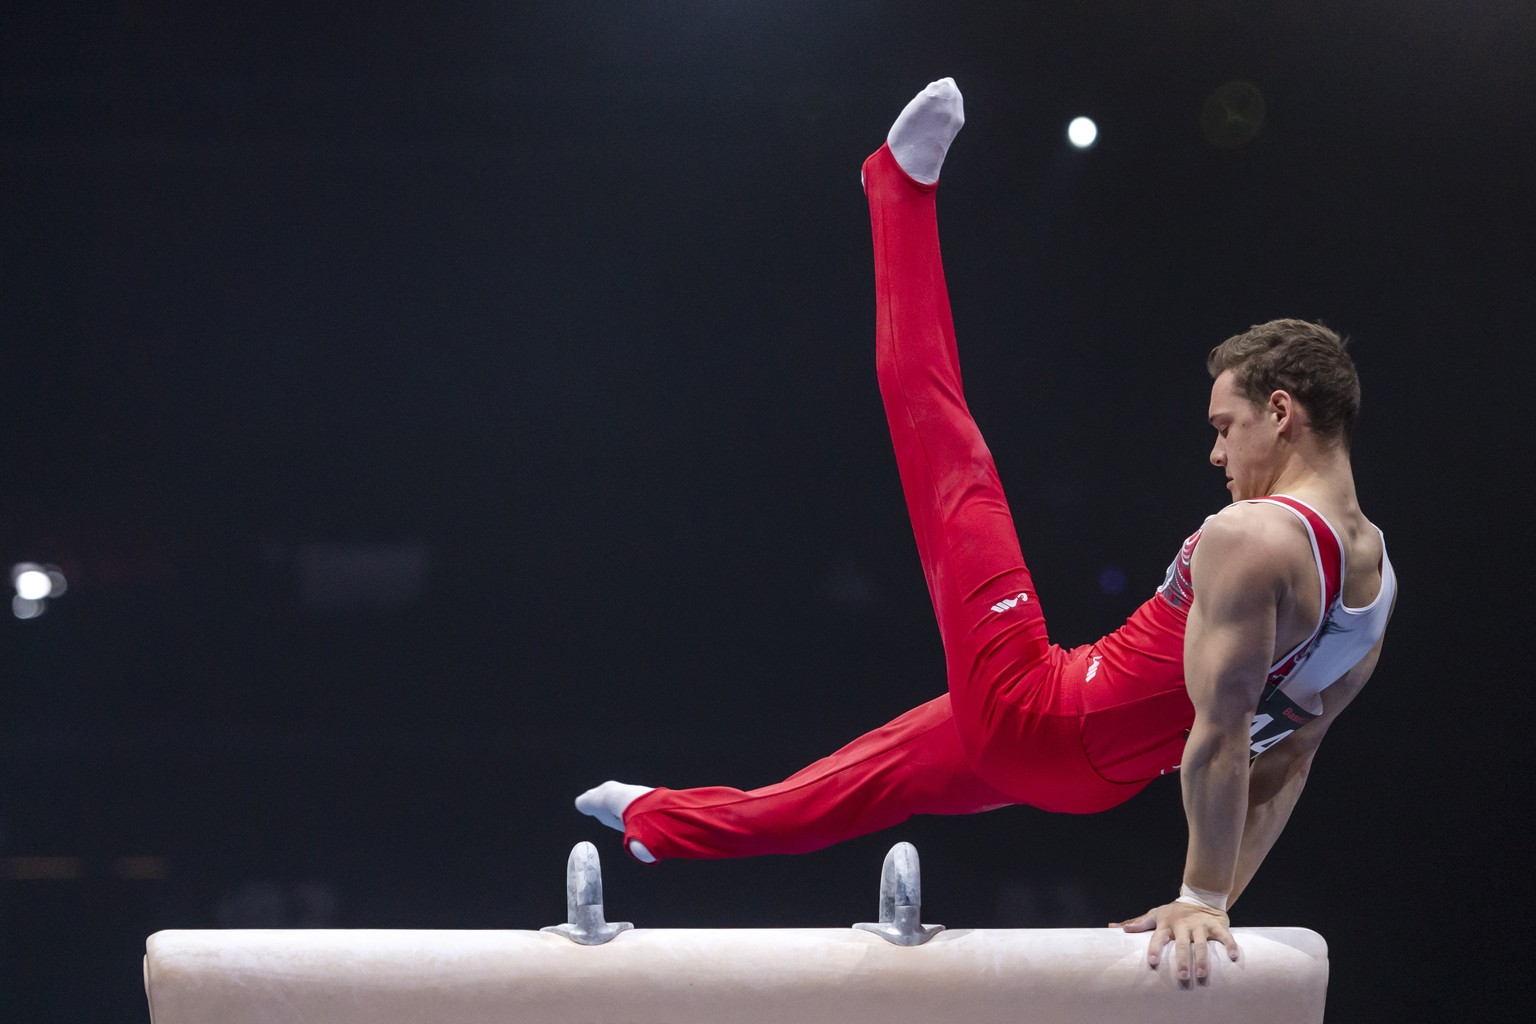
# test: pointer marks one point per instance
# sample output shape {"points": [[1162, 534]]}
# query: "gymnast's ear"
{"points": [[1286, 413]]}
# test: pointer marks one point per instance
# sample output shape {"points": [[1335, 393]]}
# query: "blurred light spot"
{"points": [[26, 608], [1232, 114], [33, 584], [1082, 132], [42, 869], [1112, 580]]}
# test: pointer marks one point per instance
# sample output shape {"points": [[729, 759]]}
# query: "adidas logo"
{"points": [[1010, 602]]}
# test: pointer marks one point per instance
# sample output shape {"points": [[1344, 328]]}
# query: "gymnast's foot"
{"points": [[922, 133], [608, 802]]}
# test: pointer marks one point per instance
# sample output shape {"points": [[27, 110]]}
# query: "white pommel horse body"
{"points": [[753, 976]]}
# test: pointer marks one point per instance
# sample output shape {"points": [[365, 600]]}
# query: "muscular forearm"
{"points": [[1276, 785], [1215, 782]]}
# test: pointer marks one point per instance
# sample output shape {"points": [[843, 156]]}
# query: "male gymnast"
{"points": [[1268, 623]]}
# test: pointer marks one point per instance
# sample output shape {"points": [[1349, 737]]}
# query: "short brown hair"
{"points": [[1305, 359]]}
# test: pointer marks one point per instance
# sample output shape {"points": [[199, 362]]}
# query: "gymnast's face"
{"points": [[1248, 440]]}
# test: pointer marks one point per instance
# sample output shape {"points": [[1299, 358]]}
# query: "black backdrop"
{"points": [[438, 412]]}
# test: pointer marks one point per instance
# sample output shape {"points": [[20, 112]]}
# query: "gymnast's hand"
{"points": [[1190, 929]]}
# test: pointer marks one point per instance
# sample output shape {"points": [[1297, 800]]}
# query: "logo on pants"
{"points": [[1010, 602]]}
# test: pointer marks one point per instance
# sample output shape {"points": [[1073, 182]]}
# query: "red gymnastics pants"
{"points": [[1008, 731]]}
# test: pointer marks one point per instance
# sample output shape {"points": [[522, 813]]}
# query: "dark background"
{"points": [[438, 411]]}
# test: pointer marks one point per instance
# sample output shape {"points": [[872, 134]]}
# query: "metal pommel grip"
{"points": [[584, 900], [901, 900]]}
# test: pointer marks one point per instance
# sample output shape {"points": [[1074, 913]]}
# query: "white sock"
{"points": [[925, 128], [608, 802]]}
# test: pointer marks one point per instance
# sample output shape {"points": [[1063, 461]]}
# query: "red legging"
{"points": [[1009, 729]]}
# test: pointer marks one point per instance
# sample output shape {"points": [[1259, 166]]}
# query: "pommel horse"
{"points": [[592, 970]]}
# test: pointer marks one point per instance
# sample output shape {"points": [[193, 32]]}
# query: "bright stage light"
{"points": [[32, 584], [1082, 132]]}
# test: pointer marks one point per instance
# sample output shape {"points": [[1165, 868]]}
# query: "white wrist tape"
{"points": [[1202, 898]]}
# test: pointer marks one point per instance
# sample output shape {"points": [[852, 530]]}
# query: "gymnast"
{"points": [[1268, 623]]}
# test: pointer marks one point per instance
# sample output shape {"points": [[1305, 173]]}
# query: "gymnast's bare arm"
{"points": [[1244, 569], [1279, 774]]}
